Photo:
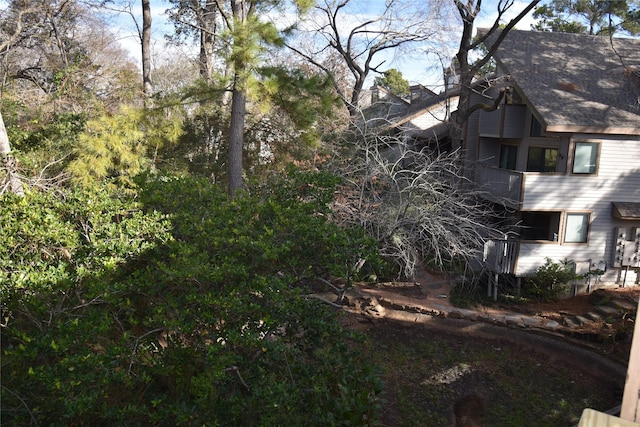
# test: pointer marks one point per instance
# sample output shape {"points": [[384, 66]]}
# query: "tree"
{"points": [[411, 203], [8, 163], [119, 146], [242, 32], [468, 68], [361, 38], [242, 57], [65, 51], [199, 20], [9, 39], [393, 80], [146, 49], [595, 17], [61, 65], [144, 35]]}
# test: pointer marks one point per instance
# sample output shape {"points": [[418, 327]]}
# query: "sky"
{"points": [[417, 70], [417, 67]]}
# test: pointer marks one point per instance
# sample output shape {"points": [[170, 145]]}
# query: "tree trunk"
{"points": [[354, 106], [146, 50], [8, 162], [236, 135], [207, 41], [238, 107], [469, 11]]}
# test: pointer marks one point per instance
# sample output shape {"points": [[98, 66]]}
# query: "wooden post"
{"points": [[631, 399], [495, 288]]}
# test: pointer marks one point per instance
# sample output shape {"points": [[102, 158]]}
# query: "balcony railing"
{"points": [[500, 185], [500, 255]]}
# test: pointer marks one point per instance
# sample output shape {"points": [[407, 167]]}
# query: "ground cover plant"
{"points": [[178, 306]]}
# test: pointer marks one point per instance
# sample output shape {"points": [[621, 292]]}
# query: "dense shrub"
{"points": [[550, 280], [179, 308]]}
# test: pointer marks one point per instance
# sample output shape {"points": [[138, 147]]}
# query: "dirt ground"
{"points": [[521, 381]]}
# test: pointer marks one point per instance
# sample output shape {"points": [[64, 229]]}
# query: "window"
{"points": [[585, 157], [542, 159], [508, 156], [576, 228], [539, 226], [536, 127]]}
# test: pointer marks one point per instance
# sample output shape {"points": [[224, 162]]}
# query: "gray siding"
{"points": [[617, 180]]}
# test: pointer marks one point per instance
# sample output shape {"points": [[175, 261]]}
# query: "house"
{"points": [[562, 155], [417, 122]]}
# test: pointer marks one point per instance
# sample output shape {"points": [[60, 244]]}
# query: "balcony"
{"points": [[500, 255], [500, 185]]}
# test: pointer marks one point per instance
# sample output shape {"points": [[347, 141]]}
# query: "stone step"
{"points": [[569, 322], [593, 316], [623, 304], [608, 310], [582, 320]]}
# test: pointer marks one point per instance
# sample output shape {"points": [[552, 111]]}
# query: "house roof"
{"points": [[576, 82], [626, 210], [393, 113]]}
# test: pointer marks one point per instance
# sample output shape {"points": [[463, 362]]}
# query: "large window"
{"points": [[585, 157], [536, 127], [508, 156], [539, 226], [542, 159], [576, 228], [545, 226]]}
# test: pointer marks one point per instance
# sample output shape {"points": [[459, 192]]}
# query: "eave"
{"points": [[626, 210], [593, 129]]}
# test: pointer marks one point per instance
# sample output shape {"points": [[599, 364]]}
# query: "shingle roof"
{"points": [[626, 210], [576, 81]]}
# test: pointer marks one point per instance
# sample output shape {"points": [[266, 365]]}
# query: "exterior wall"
{"points": [[617, 180], [435, 116], [488, 149]]}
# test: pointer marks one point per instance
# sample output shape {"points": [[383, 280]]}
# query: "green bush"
{"points": [[550, 280], [179, 307]]}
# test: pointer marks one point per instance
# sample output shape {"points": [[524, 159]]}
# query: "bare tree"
{"points": [[364, 41], [199, 19], [412, 204], [468, 69], [144, 35], [9, 39], [65, 53], [13, 180]]}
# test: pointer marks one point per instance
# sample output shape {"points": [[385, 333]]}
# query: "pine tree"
{"points": [[393, 80]]}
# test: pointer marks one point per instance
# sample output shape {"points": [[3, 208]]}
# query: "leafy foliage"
{"points": [[179, 308], [281, 126], [596, 17], [393, 80], [550, 280], [121, 145]]}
